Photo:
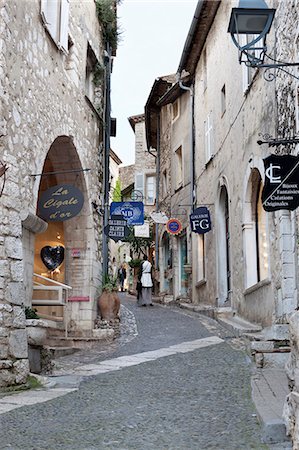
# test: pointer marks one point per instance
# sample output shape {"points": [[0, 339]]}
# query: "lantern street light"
{"points": [[249, 25]]}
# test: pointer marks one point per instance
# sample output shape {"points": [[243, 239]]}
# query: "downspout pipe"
{"points": [[107, 132], [192, 144], [157, 193]]}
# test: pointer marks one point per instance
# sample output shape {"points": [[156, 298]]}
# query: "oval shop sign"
{"points": [[61, 202]]}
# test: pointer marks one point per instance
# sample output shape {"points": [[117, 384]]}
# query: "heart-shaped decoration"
{"points": [[52, 257]]}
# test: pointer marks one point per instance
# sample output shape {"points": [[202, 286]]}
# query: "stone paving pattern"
{"points": [[197, 400]]}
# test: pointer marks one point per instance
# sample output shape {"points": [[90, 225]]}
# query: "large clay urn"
{"points": [[109, 305]]}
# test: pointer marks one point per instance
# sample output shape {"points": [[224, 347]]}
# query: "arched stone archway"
{"points": [[73, 237], [223, 247]]}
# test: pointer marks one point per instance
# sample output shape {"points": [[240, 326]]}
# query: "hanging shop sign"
{"points": [[174, 226], [200, 220], [116, 229], [159, 217], [132, 212], [60, 202], [281, 189], [142, 231]]}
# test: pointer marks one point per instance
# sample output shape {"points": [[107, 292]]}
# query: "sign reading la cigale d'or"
{"points": [[281, 189], [60, 202], [200, 220]]}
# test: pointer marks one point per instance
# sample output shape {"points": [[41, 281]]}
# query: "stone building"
{"points": [[51, 85], [246, 265], [168, 128]]}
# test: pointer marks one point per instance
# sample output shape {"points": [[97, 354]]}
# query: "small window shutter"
{"points": [[64, 25], [139, 183], [49, 12]]}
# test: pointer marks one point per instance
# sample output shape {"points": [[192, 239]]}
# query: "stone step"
{"points": [[269, 391], [206, 310], [61, 351], [239, 327]]}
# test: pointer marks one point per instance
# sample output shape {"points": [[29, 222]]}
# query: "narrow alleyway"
{"points": [[189, 389]]}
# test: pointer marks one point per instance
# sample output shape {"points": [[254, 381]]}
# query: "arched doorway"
{"points": [[63, 253], [223, 248]]}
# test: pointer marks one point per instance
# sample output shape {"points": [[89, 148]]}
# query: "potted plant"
{"points": [[108, 301]]}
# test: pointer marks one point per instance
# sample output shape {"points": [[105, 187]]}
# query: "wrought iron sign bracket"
{"points": [[275, 142]]}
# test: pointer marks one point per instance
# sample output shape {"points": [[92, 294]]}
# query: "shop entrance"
{"points": [[61, 254]]}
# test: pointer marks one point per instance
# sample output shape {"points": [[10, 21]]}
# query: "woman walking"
{"points": [[146, 281]]}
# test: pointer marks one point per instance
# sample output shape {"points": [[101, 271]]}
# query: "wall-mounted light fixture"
{"points": [[253, 19]]}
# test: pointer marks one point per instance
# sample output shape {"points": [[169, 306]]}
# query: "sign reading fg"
{"points": [[60, 202], [200, 220]]}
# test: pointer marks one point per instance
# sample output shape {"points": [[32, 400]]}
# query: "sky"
{"points": [[153, 34]]}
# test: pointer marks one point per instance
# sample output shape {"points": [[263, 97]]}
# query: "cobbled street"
{"points": [[191, 392]]}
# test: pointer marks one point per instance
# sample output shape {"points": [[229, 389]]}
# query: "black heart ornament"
{"points": [[52, 257]]}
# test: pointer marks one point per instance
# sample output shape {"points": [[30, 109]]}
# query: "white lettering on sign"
{"points": [[271, 175]]}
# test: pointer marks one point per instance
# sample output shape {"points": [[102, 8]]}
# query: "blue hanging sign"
{"points": [[133, 212], [200, 220]]}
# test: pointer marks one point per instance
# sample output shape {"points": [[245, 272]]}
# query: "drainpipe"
{"points": [[192, 144], [192, 154], [157, 193], [107, 126]]}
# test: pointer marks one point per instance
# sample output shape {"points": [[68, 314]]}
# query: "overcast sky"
{"points": [[152, 41]]}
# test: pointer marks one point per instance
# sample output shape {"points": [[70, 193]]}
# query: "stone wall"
{"points": [[43, 97]]}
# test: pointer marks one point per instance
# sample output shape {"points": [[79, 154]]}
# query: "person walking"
{"points": [[146, 282], [122, 274]]}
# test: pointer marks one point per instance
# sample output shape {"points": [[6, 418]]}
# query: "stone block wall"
{"points": [[42, 98]]}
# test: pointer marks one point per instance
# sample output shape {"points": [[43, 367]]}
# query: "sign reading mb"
{"points": [[132, 212], [281, 190], [200, 220]]}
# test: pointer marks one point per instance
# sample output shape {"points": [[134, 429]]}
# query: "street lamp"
{"points": [[253, 19]]}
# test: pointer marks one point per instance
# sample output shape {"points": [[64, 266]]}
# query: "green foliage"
{"points": [[135, 262], [140, 246], [109, 283], [107, 18], [116, 196], [30, 313]]}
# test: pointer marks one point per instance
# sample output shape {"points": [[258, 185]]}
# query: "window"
{"points": [[150, 190], [209, 138], [175, 110], [178, 168], [200, 258], [91, 61], [55, 16], [223, 100], [261, 239], [139, 185], [255, 237], [248, 72]]}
